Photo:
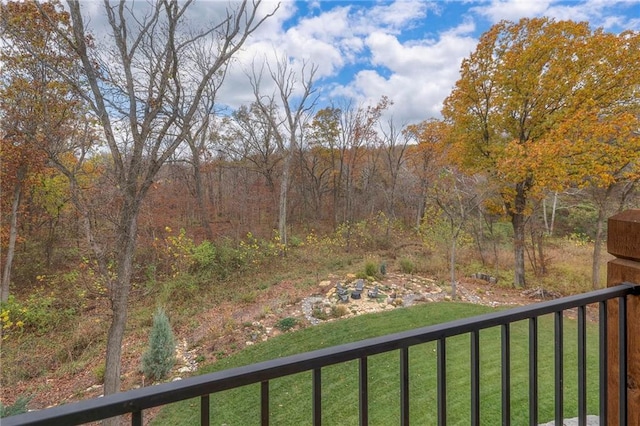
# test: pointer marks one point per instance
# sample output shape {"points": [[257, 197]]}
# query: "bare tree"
{"points": [[394, 144], [252, 139], [355, 129], [457, 196], [146, 91], [197, 139], [288, 126]]}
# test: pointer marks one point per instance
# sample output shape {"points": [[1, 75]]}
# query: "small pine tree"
{"points": [[160, 356]]}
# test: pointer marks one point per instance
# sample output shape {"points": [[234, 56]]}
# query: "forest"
{"points": [[121, 177]]}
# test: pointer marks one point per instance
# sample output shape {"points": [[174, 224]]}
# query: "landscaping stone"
{"points": [[591, 421]]}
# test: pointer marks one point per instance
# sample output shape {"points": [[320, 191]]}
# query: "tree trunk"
{"points": [[453, 266], [13, 235], [119, 295], [540, 243], [284, 190], [544, 216], [597, 249], [336, 181], [203, 216], [553, 212], [518, 222]]}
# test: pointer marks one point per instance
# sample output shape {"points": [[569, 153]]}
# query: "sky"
{"points": [[409, 51]]}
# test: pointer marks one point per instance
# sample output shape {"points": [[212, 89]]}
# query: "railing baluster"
{"points": [[205, 410], [317, 397], [364, 392], [136, 418], [442, 381], [506, 374], [622, 360], [264, 403], [475, 377], [533, 371], [558, 367], [582, 366], [604, 361], [404, 386]]}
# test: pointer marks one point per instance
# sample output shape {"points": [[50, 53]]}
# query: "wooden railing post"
{"points": [[623, 242]]}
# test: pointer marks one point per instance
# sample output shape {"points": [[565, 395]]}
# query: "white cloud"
{"points": [[398, 14], [511, 10], [369, 40], [416, 75], [599, 13]]}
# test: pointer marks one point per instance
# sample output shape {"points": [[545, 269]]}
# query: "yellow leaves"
{"points": [[543, 104], [603, 148], [10, 322]]}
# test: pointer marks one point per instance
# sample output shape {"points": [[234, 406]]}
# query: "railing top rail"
{"points": [[166, 393]]}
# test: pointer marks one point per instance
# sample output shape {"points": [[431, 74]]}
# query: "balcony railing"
{"points": [[136, 401], [616, 354]]}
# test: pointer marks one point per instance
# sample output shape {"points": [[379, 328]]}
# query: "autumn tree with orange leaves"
{"points": [[36, 105], [523, 83]]}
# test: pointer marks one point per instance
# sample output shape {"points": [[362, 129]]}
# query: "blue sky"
{"points": [[407, 50]]}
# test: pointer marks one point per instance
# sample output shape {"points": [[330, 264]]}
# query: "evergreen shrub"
{"points": [[286, 323], [159, 358]]}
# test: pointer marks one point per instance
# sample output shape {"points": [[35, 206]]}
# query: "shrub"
{"points": [[370, 269], [176, 251], [40, 313], [319, 313], [286, 323], [18, 407], [204, 255], [160, 358], [407, 266], [220, 260], [338, 311], [98, 372], [295, 241]]}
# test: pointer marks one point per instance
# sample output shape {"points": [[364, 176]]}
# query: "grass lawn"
{"points": [[290, 402]]}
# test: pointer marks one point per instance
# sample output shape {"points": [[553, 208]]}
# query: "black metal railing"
{"points": [[136, 401]]}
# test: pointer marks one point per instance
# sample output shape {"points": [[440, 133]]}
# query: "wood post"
{"points": [[623, 242]]}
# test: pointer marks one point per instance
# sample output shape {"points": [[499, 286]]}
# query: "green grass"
{"points": [[290, 397]]}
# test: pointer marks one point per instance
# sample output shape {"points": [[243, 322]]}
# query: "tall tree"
{"points": [[323, 135], [357, 130], [36, 104], [146, 92], [296, 103], [251, 137], [423, 159], [317, 162], [603, 136], [394, 143], [523, 81], [197, 140]]}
